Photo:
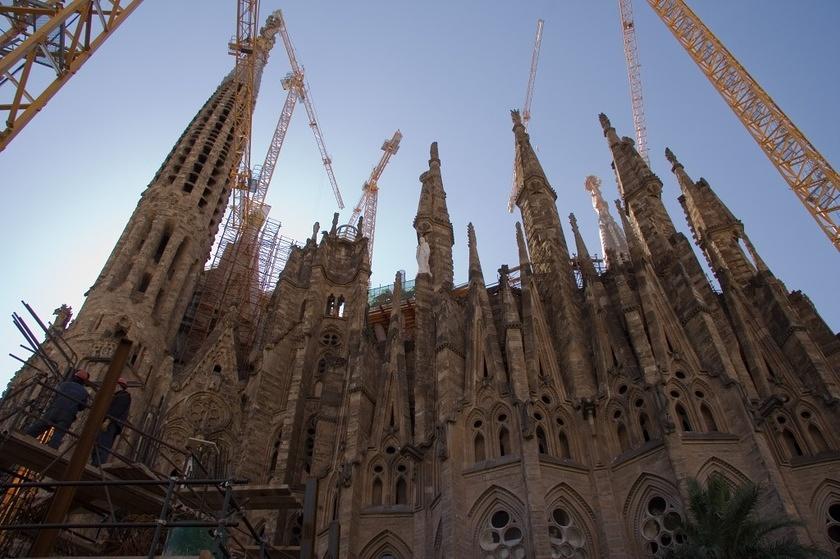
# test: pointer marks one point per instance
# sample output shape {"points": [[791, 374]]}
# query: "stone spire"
{"points": [[613, 242], [475, 264], [584, 260], [634, 246], [432, 223], [716, 230], [641, 191], [550, 261]]}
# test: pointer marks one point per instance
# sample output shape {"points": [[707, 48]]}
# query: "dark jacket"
{"points": [[118, 410], [70, 400]]}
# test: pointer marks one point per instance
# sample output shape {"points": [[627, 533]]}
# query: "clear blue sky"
{"points": [[438, 70]]}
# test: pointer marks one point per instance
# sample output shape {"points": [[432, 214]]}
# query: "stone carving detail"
{"points": [[63, 314], [208, 412]]}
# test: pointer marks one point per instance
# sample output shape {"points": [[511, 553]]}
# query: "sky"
{"points": [[439, 71]]}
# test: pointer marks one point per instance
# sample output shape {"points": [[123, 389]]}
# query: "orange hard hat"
{"points": [[80, 374], [122, 382]]}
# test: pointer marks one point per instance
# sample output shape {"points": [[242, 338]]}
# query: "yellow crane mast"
{"points": [[45, 44], [370, 192], [631, 55], [813, 180], [526, 109]]}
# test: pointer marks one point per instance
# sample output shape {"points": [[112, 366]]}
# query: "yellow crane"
{"points": [[370, 192], [812, 178], [45, 44], [526, 109], [631, 55]]}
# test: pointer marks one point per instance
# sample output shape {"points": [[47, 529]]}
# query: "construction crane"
{"points": [[526, 109], [243, 48], [45, 44], [298, 89], [631, 55], [370, 192], [813, 180]]}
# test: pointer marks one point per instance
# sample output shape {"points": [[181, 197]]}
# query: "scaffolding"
{"points": [[245, 265], [124, 506]]}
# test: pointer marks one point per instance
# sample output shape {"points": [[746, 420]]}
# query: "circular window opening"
{"points": [[560, 421], [639, 403], [699, 394], [806, 414], [546, 399], [401, 468], [657, 506], [478, 423], [390, 450], [538, 416], [622, 389], [680, 375], [377, 469], [617, 414], [561, 517], [499, 519], [834, 512], [781, 419], [502, 417], [675, 394]]}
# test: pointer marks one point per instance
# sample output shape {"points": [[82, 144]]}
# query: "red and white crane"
{"points": [[526, 109], [370, 192], [631, 55]]}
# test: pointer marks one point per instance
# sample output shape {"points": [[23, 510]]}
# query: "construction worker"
{"points": [[70, 398], [113, 424]]}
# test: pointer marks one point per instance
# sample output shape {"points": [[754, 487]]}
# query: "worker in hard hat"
{"points": [[70, 398], [113, 424]]}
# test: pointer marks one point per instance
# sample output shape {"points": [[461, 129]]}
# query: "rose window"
{"points": [[661, 526], [567, 539], [832, 526], [502, 538]]}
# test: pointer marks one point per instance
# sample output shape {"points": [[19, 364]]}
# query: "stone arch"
{"points": [[501, 419], [789, 441], [564, 435], [617, 421], [543, 429], [825, 505], [715, 466], [813, 428], [650, 501], [491, 501], [385, 542], [578, 514], [377, 481], [709, 416], [681, 408], [477, 430]]}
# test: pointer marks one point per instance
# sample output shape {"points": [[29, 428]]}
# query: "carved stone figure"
{"points": [[423, 253]]}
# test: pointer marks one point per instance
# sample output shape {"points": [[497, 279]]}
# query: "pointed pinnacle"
{"points": [[605, 122], [433, 152], [669, 155], [515, 117], [397, 298], [584, 260], [475, 264]]}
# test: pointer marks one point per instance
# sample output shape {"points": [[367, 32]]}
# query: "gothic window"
{"points": [[563, 442], [503, 432], [566, 537], [401, 492], [501, 537], [376, 485], [542, 441], [832, 526], [817, 440], [340, 307], [661, 526], [478, 448], [682, 418], [330, 305], [706, 412], [791, 443], [623, 438], [644, 426], [217, 369]]}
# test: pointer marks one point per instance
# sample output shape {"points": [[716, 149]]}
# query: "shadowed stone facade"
{"points": [[552, 411]]}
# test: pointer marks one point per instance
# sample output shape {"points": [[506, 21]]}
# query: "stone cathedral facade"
{"points": [[550, 410]]}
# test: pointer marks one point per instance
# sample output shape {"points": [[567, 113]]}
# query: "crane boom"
{"points": [[243, 48], [44, 47], [812, 178], [370, 192], [631, 55], [303, 92], [526, 108], [266, 171]]}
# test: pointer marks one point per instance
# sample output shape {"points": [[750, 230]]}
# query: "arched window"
{"points": [[682, 417], [542, 442], [708, 418], [401, 492], [832, 526], [819, 442], [478, 448], [330, 306], [793, 447], [309, 448], [644, 426], [376, 491], [339, 310], [563, 443], [567, 539], [661, 525], [623, 439], [501, 537], [504, 442]]}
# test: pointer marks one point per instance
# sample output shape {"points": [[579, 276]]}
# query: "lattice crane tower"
{"points": [[38, 56], [812, 178], [526, 109], [631, 55], [370, 192]]}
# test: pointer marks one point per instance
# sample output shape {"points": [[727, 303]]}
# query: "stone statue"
{"points": [[315, 229], [63, 314], [334, 224], [423, 252]]}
